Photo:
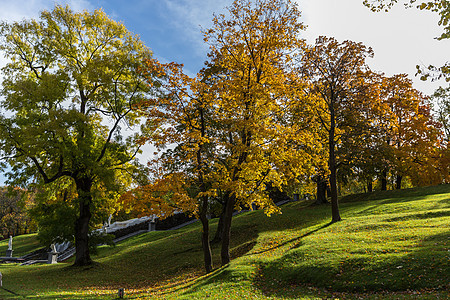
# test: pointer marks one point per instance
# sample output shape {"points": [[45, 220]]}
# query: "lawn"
{"points": [[22, 245], [389, 245]]}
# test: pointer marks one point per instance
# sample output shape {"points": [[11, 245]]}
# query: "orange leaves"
{"points": [[152, 69], [409, 130], [163, 197]]}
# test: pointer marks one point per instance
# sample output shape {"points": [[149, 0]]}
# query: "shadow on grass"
{"points": [[245, 231], [22, 244], [10, 294], [173, 262], [296, 239], [423, 269], [425, 215], [394, 195]]}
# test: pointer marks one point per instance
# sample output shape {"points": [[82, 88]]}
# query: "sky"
{"points": [[401, 38]]}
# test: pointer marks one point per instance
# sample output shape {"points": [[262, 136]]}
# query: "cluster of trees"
{"points": [[269, 110], [14, 217], [266, 112]]}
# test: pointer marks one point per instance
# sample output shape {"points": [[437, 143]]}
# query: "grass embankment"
{"points": [[22, 244], [392, 245]]}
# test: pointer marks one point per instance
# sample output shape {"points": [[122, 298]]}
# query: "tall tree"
{"points": [[442, 98], [403, 137], [337, 72], [71, 83], [254, 44], [182, 174], [409, 136]]}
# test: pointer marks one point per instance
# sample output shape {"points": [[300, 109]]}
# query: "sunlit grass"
{"points": [[22, 245], [392, 245]]}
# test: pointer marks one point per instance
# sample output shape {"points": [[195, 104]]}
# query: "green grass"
{"points": [[389, 245], [22, 244]]}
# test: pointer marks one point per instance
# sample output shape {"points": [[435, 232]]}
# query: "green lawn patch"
{"points": [[391, 245], [22, 244]]}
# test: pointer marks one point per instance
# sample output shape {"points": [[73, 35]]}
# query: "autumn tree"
{"points": [[182, 170], [229, 127], [338, 74], [255, 44], [409, 131], [441, 97], [70, 85], [229, 130], [402, 139]]}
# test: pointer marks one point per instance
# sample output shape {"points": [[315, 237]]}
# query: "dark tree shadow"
{"points": [[297, 239]]}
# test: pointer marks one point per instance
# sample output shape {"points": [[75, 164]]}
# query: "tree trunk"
{"points": [[82, 256], [328, 189], [384, 180], [226, 235], [321, 190], [398, 182], [205, 236], [204, 205], [219, 231], [335, 216], [369, 186]]}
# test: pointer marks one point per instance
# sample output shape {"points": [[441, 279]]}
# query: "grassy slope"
{"points": [[22, 244], [391, 245]]}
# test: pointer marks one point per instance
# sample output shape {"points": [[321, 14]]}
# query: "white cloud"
{"points": [[401, 38], [192, 16]]}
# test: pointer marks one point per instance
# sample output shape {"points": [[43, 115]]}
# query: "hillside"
{"points": [[390, 245]]}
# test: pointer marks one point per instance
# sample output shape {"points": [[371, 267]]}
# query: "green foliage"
{"points": [[56, 222], [99, 238], [55, 213], [70, 85]]}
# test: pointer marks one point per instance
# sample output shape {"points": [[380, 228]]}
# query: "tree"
{"points": [[14, 218], [255, 45], [442, 97], [71, 83], [408, 134], [402, 137], [182, 175], [230, 128], [338, 74]]}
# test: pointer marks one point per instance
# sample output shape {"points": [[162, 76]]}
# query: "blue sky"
{"points": [[170, 28], [401, 39]]}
